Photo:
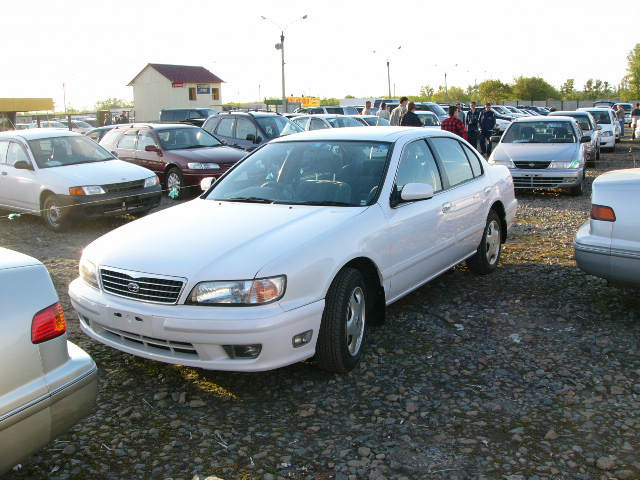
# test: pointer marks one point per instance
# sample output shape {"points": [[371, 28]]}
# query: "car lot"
{"points": [[531, 371]]}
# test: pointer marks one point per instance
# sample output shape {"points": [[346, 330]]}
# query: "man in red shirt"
{"points": [[453, 124]]}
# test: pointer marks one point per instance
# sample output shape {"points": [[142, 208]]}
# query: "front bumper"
{"points": [[196, 336], [557, 178], [110, 204]]}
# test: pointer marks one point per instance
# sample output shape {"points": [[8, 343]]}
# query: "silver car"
{"points": [[609, 127], [543, 152], [322, 121], [47, 384], [608, 245], [589, 127]]}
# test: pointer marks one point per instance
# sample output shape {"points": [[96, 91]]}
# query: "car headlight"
{"points": [[565, 164], [507, 163], [203, 166], [606, 134], [151, 181], [89, 273], [238, 292], [88, 190]]}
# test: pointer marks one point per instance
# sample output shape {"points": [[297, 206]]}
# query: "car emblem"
{"points": [[532, 165], [133, 287]]}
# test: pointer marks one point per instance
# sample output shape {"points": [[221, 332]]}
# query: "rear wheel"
{"points": [[342, 330], [54, 214], [175, 184], [486, 258]]}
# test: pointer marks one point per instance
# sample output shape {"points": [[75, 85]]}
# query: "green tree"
{"points": [[568, 87], [329, 101], [110, 103], [426, 92], [533, 88], [632, 79], [493, 91]]}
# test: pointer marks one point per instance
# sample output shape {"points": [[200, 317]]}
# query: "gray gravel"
{"points": [[529, 373]]}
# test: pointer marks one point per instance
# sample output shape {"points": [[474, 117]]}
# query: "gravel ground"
{"points": [[529, 373]]}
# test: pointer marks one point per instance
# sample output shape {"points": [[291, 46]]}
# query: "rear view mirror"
{"points": [[22, 165], [205, 183], [495, 138], [585, 139], [152, 148]]}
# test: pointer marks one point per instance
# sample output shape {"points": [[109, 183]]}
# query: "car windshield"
{"points": [[337, 173], [540, 132], [52, 124], [583, 121], [277, 126], [601, 117], [428, 119], [180, 138], [342, 121], [68, 150]]}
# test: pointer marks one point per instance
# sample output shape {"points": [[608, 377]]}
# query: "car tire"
{"points": [[341, 335], [175, 180], [54, 215], [578, 190], [486, 258]]}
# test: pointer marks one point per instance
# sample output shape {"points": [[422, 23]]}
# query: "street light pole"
{"points": [[389, 71]]}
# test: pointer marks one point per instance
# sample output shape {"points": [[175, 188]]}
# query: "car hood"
{"points": [[535, 151], [207, 154], [99, 173], [213, 240]]}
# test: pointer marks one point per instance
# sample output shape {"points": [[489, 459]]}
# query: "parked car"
{"points": [[503, 110], [608, 245], [47, 384], [589, 127], [322, 230], [77, 126], [96, 134], [371, 120], [23, 126], [360, 108], [539, 110], [429, 119], [433, 107], [248, 130], [50, 124], [322, 121], [604, 103], [61, 176], [502, 123], [543, 152], [193, 116], [610, 129], [628, 108], [329, 109], [181, 155]]}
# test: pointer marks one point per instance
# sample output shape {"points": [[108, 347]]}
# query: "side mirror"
{"points": [[585, 139], [114, 153], [416, 191], [251, 137], [205, 183], [496, 138], [22, 165], [152, 148], [599, 127]]}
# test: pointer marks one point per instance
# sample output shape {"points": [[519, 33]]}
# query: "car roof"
{"points": [[543, 118], [155, 126], [560, 113], [378, 134], [39, 133]]}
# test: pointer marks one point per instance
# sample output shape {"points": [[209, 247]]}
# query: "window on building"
{"points": [[215, 93], [192, 93]]}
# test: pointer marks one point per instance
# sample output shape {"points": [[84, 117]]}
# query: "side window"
{"points": [[337, 110], [476, 165], [455, 162], [225, 127], [317, 124], [215, 93], [192, 93], [128, 140], [145, 138], [244, 128], [16, 153], [302, 122], [3, 151], [417, 165]]}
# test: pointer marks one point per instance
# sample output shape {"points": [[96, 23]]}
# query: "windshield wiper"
{"points": [[328, 203], [249, 199]]}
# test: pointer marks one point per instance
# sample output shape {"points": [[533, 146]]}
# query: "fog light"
{"points": [[302, 339], [243, 351]]}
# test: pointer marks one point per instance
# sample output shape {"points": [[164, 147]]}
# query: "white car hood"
{"points": [[213, 240], [535, 151], [99, 173]]}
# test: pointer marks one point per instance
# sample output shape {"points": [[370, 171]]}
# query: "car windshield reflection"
{"points": [[540, 132], [336, 173], [59, 151], [179, 138]]}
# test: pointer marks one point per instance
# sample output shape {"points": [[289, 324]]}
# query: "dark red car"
{"points": [[181, 155]]}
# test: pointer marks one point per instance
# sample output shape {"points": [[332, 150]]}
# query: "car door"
{"points": [[318, 124], [470, 192], [225, 130], [18, 188], [126, 146], [151, 160], [421, 233], [246, 134]]}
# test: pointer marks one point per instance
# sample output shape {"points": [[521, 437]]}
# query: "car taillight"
{"points": [[599, 212], [48, 323]]}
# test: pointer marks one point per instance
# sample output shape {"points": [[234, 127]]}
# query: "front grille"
{"points": [[531, 165], [124, 186], [537, 182], [149, 344], [141, 286]]}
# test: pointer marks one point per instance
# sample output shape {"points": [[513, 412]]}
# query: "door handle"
{"points": [[446, 207], [487, 190]]}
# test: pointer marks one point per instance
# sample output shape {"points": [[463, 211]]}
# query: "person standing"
{"points": [[410, 119], [383, 112], [635, 120], [399, 111], [472, 119], [453, 124], [620, 117], [461, 114], [487, 123], [367, 108]]}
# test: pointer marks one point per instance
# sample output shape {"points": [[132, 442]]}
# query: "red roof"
{"points": [[183, 73]]}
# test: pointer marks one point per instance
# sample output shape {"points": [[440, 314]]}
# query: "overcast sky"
{"points": [[96, 47]]}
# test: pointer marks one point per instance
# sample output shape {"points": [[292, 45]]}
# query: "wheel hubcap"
{"points": [[54, 214], [492, 244], [173, 182], [355, 321]]}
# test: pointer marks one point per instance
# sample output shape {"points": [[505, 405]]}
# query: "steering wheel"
{"points": [[284, 191]]}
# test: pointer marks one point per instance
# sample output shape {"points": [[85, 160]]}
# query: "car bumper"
{"points": [[546, 178], [110, 204], [196, 336], [608, 142], [595, 256]]}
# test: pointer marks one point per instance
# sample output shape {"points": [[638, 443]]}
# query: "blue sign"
{"points": [[204, 88]]}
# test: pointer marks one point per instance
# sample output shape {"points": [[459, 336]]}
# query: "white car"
{"points": [[295, 250], [323, 121], [605, 118], [78, 126], [61, 175], [589, 127], [47, 383], [503, 110], [608, 245]]}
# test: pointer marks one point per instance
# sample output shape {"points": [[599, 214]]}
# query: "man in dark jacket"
{"points": [[410, 119], [487, 123], [472, 120]]}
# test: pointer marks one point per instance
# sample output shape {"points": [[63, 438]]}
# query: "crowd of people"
{"points": [[117, 119]]}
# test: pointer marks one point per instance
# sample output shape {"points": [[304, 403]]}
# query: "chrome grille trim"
{"points": [[538, 182], [124, 186], [150, 287], [167, 347]]}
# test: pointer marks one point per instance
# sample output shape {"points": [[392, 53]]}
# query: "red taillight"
{"points": [[598, 212], [48, 323]]}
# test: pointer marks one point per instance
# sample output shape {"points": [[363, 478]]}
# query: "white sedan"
{"points": [[295, 250]]}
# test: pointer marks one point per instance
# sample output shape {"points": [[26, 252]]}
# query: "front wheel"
{"points": [[577, 190], [175, 184], [341, 335], [485, 260], [54, 215]]}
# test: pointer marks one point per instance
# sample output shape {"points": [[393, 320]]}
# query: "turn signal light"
{"points": [[599, 212], [48, 323]]}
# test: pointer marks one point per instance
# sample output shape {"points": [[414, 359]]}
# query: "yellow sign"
{"points": [[305, 101]]}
